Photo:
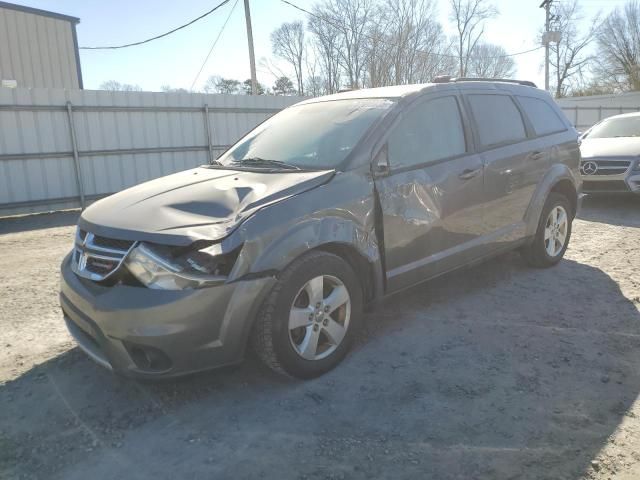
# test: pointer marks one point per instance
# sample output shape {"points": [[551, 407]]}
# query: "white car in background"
{"points": [[611, 155]]}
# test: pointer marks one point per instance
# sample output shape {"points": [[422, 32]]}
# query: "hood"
{"points": [[202, 203], [610, 147]]}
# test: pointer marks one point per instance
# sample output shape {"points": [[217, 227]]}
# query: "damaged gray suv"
{"points": [[325, 208]]}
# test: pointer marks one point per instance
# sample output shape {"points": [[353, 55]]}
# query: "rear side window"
{"points": [[497, 118], [429, 132], [543, 118]]}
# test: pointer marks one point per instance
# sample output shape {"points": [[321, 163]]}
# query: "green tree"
{"points": [[284, 86], [246, 86]]}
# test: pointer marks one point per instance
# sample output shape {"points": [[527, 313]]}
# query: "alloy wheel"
{"points": [[555, 231], [319, 317]]}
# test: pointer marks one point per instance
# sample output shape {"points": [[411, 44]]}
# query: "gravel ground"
{"points": [[495, 372]]}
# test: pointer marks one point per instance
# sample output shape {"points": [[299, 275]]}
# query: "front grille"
{"points": [[107, 242], [97, 258], [112, 243], [605, 186], [604, 166]]}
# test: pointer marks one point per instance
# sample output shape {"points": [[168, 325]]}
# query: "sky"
{"points": [[175, 60]]}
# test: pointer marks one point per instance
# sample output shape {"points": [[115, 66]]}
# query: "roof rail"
{"points": [[449, 78]]}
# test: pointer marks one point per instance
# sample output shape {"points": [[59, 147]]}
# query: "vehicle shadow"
{"points": [[612, 209], [495, 372], [25, 223]]}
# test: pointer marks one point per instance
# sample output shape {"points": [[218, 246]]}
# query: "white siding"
{"points": [[37, 51]]}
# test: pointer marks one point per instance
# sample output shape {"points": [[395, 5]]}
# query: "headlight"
{"points": [[637, 169], [159, 268]]}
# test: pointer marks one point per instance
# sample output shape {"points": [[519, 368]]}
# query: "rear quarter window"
{"points": [[497, 119], [542, 116]]}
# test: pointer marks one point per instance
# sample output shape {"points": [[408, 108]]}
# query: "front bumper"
{"points": [[141, 332], [626, 182]]}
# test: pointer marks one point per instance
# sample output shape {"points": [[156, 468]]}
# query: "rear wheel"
{"points": [[552, 236], [307, 324]]}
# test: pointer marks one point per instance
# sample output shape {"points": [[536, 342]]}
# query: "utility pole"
{"points": [[252, 58], [546, 4]]}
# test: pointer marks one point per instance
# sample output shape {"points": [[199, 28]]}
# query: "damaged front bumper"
{"points": [[141, 332]]}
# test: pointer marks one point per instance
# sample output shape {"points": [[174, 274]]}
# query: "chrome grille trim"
{"points": [[608, 166], [86, 252]]}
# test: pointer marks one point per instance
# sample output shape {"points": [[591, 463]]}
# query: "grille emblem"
{"points": [[589, 168], [94, 260]]}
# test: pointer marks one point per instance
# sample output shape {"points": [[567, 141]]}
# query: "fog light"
{"points": [[148, 358]]}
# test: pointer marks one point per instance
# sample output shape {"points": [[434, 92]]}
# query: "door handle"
{"points": [[536, 155], [469, 173]]}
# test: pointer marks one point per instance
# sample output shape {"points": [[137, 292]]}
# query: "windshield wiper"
{"points": [[263, 162]]}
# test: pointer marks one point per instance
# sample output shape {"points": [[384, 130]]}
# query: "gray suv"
{"points": [[325, 208]]}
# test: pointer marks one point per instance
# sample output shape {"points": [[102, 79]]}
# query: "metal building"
{"points": [[38, 48]]}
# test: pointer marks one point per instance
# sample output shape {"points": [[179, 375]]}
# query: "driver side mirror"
{"points": [[381, 161]]}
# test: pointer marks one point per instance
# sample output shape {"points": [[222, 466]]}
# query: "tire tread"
{"points": [[262, 334]]}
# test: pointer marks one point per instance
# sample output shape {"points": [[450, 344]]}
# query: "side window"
{"points": [[497, 118], [430, 131], [543, 118]]}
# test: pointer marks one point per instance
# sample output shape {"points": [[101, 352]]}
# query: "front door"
{"points": [[431, 195]]}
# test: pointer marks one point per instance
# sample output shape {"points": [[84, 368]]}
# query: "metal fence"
{"points": [[584, 117], [64, 148]]}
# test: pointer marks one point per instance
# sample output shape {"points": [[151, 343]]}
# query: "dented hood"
{"points": [[202, 203]]}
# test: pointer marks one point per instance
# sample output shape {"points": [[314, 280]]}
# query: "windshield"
{"points": [[312, 136], [616, 127]]}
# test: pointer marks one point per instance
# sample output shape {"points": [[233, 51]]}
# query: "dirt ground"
{"points": [[495, 372]]}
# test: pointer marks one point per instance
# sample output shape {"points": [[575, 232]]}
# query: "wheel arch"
{"points": [[559, 179], [365, 269], [566, 188]]}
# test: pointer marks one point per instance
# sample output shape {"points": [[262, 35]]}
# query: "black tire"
{"points": [[270, 335], [535, 252]]}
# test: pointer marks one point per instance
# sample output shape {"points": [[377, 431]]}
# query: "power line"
{"points": [[447, 55], [162, 35], [213, 45]]}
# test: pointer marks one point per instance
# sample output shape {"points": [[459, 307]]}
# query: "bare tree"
{"points": [[619, 48], [326, 42], [406, 44], [340, 27], [287, 42], [314, 83], [491, 61], [570, 56], [468, 17], [115, 86], [355, 17]]}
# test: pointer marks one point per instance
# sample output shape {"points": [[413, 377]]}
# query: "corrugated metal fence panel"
{"points": [[584, 112], [123, 138], [584, 117], [24, 132]]}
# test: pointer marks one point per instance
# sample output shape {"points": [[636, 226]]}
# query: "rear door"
{"points": [[513, 162], [430, 192]]}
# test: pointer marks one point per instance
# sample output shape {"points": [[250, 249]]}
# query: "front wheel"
{"points": [[552, 236], [307, 323]]}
